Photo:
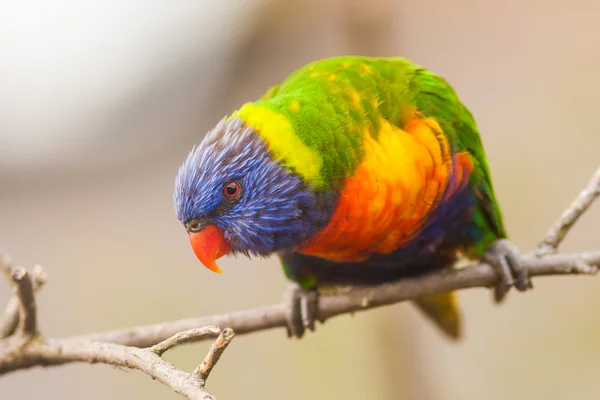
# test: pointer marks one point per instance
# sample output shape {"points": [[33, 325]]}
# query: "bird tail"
{"points": [[443, 310]]}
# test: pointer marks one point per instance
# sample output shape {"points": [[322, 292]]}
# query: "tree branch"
{"points": [[24, 347], [52, 352], [23, 288], [358, 299], [568, 218], [185, 337], [141, 347], [10, 318], [273, 316], [215, 352]]}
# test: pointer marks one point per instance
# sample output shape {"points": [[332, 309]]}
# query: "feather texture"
{"points": [[355, 170]]}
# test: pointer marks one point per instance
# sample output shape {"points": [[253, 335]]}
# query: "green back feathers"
{"points": [[315, 121], [364, 91]]}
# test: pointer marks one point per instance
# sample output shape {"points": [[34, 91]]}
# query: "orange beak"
{"points": [[208, 245]]}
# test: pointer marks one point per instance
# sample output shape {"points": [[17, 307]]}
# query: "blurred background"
{"points": [[100, 101]]}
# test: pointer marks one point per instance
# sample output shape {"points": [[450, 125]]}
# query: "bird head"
{"points": [[233, 197]]}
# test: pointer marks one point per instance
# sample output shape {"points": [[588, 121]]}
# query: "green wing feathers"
{"points": [[367, 90], [436, 98], [329, 105]]}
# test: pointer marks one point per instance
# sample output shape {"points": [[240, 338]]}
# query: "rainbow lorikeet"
{"points": [[355, 171]]}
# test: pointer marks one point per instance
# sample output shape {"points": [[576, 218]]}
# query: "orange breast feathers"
{"points": [[404, 176]]}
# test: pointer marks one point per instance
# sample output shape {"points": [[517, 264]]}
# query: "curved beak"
{"points": [[209, 244]]}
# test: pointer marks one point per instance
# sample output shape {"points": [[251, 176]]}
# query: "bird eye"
{"points": [[232, 190], [193, 226]]}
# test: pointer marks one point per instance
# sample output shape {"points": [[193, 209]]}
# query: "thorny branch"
{"points": [[23, 348]]}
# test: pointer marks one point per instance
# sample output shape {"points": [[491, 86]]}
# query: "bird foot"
{"points": [[504, 256], [302, 308]]}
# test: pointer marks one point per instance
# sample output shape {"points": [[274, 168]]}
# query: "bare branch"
{"points": [[214, 354], [273, 316], [479, 274], [51, 352], [191, 335], [23, 287], [359, 299], [568, 218], [117, 347], [20, 354], [27, 349], [10, 318]]}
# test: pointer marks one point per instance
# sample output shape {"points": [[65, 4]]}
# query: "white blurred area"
{"points": [[81, 80], [100, 101]]}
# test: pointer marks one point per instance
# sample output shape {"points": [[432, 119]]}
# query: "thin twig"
{"points": [[40, 352], [28, 349], [10, 318], [23, 287], [561, 227], [214, 354], [191, 335]]}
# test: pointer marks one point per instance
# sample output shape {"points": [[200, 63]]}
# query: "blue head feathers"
{"points": [[273, 209]]}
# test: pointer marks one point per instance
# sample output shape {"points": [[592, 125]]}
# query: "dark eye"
{"points": [[193, 226], [231, 190]]}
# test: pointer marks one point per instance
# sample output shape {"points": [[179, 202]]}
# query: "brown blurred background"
{"points": [[100, 102]]}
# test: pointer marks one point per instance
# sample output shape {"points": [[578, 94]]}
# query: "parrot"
{"points": [[354, 171]]}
